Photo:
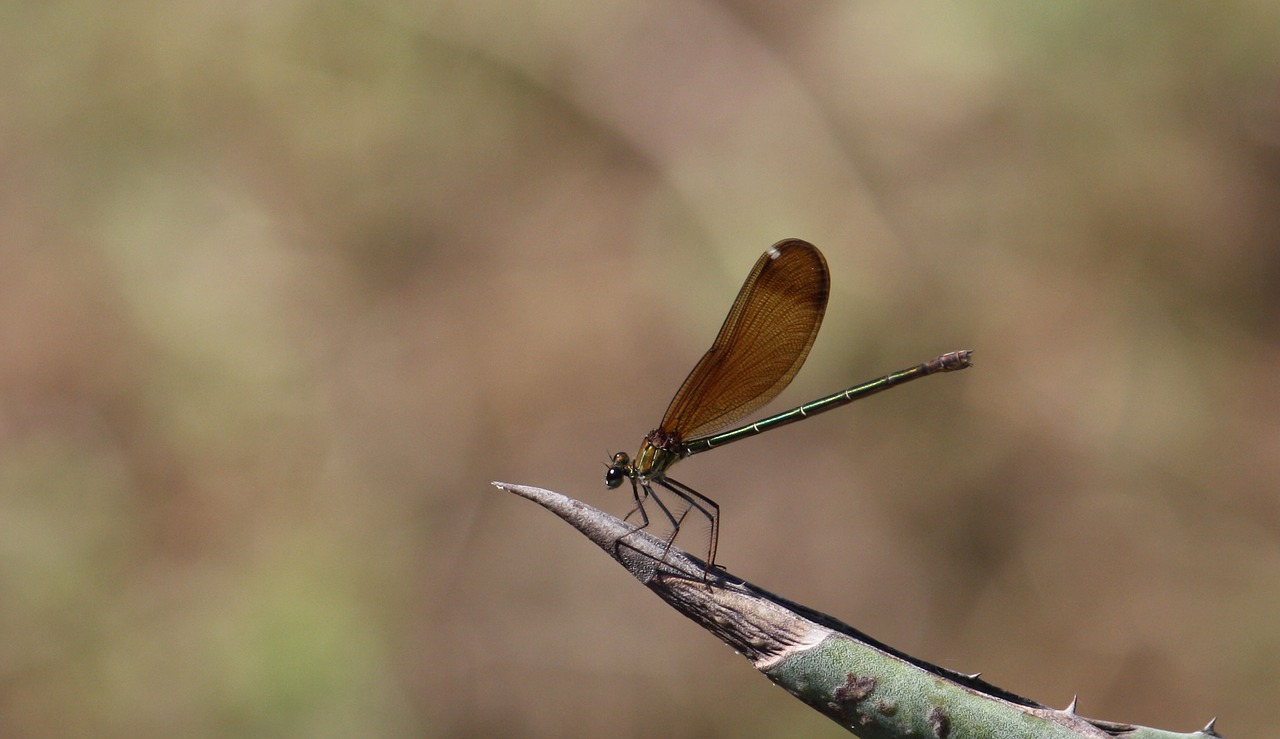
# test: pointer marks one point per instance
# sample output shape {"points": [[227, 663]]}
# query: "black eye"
{"points": [[613, 477]]}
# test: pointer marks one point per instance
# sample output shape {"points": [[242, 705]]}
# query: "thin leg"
{"points": [[675, 522], [706, 506], [695, 501], [641, 491], [639, 506]]}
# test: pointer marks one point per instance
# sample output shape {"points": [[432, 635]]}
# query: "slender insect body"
{"points": [[770, 328]]}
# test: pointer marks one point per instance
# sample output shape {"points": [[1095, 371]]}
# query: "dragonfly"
{"points": [[764, 341]]}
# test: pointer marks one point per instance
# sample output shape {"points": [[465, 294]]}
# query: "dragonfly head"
{"points": [[619, 469]]}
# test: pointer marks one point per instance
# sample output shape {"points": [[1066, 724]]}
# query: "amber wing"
{"points": [[762, 344]]}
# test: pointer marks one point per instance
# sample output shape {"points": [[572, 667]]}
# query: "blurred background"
{"points": [[284, 286]]}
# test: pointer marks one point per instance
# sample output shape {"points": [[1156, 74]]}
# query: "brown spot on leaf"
{"points": [[855, 689], [940, 722]]}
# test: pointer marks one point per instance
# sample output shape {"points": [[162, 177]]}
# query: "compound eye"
{"points": [[613, 477]]}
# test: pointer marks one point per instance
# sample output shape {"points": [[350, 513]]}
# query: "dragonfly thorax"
{"points": [[660, 450]]}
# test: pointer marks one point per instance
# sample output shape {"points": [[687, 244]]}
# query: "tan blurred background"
{"points": [[283, 287]]}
